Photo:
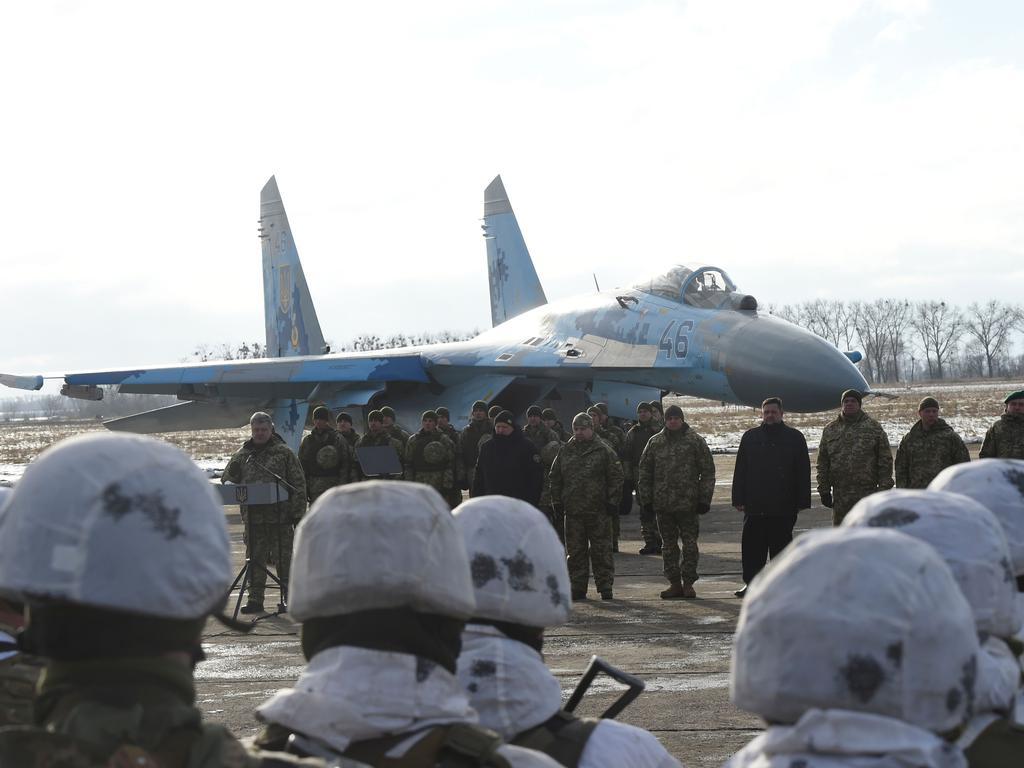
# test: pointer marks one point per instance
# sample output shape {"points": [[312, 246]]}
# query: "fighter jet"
{"points": [[685, 330]]}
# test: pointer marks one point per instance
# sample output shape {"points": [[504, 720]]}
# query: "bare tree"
{"points": [[939, 326], [991, 324], [897, 317], [870, 321]]}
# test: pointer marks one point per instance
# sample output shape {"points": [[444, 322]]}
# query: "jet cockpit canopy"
{"points": [[706, 287]]}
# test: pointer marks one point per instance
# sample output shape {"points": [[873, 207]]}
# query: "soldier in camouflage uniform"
{"points": [[346, 431], [379, 436], [854, 458], [547, 458], [430, 457], [657, 415], [388, 414], [586, 484], [677, 479], [469, 440], [535, 430], [550, 419], [1005, 438], [327, 459], [929, 447], [454, 496], [615, 438], [264, 458], [636, 441], [120, 632]]}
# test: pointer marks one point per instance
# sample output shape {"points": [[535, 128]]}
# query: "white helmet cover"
{"points": [[116, 521], [516, 561], [997, 484], [379, 544], [966, 535], [859, 619]]}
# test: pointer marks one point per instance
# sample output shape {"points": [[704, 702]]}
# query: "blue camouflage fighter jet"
{"points": [[686, 330]]}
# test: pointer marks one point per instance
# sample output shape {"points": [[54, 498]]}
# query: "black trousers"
{"points": [[763, 535]]}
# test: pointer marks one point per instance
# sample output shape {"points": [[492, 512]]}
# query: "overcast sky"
{"points": [[852, 149]]}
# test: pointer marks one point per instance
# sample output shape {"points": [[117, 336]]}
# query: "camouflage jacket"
{"points": [[338, 463], [138, 712], [255, 463], [399, 434], [539, 435], [351, 437], [614, 436], [586, 478], [676, 472], [1005, 438], [636, 441], [460, 467], [854, 454], [19, 673], [430, 459], [371, 440], [547, 458], [469, 439], [924, 453]]}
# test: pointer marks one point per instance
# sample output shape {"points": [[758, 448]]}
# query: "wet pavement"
{"points": [[680, 648]]}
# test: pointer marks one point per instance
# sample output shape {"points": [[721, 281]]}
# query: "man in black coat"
{"points": [[508, 464], [770, 484]]}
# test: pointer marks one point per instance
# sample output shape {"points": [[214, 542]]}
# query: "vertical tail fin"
{"points": [[292, 326], [515, 287]]}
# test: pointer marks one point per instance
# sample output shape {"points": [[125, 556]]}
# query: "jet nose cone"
{"points": [[770, 357]]}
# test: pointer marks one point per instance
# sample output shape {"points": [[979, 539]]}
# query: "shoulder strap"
{"points": [[563, 737]]}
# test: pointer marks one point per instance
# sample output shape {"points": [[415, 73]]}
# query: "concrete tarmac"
{"points": [[681, 648]]}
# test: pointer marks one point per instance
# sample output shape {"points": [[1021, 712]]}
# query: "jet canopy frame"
{"points": [[707, 287]]}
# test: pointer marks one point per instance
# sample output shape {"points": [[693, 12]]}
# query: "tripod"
{"points": [[244, 576]]}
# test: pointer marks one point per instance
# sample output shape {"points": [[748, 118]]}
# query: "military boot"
{"points": [[675, 591], [650, 548], [688, 590]]}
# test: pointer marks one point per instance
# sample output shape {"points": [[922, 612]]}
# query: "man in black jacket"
{"points": [[509, 464], [770, 484]]}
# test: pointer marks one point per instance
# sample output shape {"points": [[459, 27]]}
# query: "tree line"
{"points": [[903, 340]]}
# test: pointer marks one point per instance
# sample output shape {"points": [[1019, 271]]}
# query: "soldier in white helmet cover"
{"points": [[998, 485], [971, 541], [517, 564], [858, 649], [118, 546], [381, 584]]}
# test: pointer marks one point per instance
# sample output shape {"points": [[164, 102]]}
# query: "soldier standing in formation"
{"points": [[636, 441], [550, 419], [266, 458], [327, 459], [1005, 438], [677, 481], [121, 630], [657, 414], [536, 431], [501, 666], [854, 458], [547, 458], [377, 436], [469, 439], [430, 456], [382, 642], [454, 496], [616, 439], [586, 485], [508, 464], [345, 429], [388, 415], [929, 447], [771, 483]]}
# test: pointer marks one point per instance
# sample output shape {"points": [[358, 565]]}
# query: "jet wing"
{"points": [[275, 377]]}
